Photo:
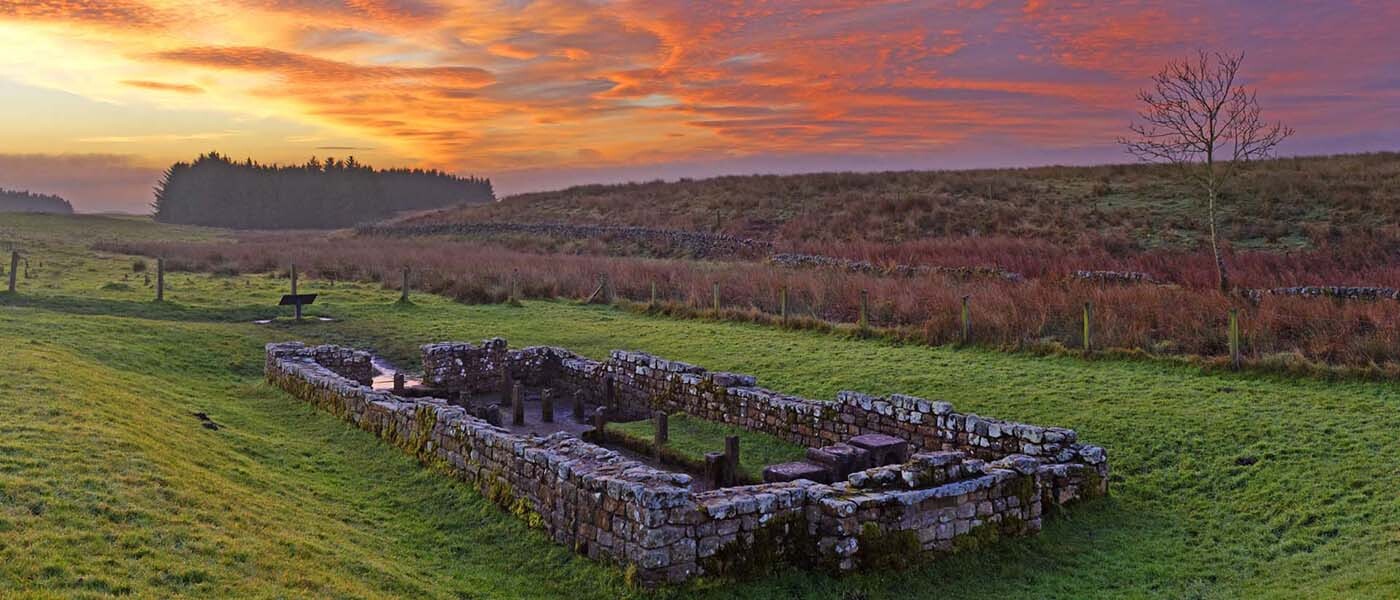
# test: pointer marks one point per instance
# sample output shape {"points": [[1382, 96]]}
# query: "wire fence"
{"points": [[1082, 315]]}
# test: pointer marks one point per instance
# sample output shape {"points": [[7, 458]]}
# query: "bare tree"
{"points": [[1201, 119]]}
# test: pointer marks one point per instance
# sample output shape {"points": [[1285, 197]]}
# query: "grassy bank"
{"points": [[1224, 485]]}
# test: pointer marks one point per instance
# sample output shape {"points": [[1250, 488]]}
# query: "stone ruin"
{"points": [[886, 479]]}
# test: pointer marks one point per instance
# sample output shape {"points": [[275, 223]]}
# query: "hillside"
{"points": [[1225, 485], [24, 201], [1278, 204]]}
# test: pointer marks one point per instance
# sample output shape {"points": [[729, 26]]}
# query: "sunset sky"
{"points": [[97, 97]]}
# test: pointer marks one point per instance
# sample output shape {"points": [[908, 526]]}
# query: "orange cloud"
{"points": [[165, 87], [502, 84], [103, 13]]}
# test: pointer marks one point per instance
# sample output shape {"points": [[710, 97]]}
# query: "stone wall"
{"points": [[584, 496], [644, 383], [354, 365], [972, 480]]}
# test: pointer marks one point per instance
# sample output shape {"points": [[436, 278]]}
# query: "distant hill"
{"points": [[22, 201], [1276, 204], [217, 191]]}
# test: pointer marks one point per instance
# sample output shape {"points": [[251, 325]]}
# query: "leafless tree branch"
{"points": [[1198, 117]]}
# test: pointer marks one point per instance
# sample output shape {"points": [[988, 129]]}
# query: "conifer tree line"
{"points": [[217, 191], [24, 201]]}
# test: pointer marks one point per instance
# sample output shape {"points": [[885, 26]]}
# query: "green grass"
{"points": [[108, 485], [692, 438]]}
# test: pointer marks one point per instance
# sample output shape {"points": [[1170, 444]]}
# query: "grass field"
{"points": [[108, 484], [691, 438]]}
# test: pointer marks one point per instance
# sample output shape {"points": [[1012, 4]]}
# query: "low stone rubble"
{"points": [[968, 476], [808, 261], [1327, 291], [693, 243], [1113, 276]]}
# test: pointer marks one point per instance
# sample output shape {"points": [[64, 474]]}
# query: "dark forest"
{"points": [[217, 191], [22, 201]]}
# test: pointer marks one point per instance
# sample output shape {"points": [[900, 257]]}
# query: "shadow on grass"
{"points": [[160, 311]]}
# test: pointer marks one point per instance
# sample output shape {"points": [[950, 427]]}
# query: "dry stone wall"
{"points": [[970, 480]]}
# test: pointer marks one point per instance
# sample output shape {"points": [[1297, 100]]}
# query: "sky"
{"points": [[98, 97]]}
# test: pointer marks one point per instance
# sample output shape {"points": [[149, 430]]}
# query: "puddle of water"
{"points": [[269, 321], [385, 379]]}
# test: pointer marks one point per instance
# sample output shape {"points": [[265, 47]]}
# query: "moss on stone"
{"points": [[880, 549], [978, 537], [783, 540]]}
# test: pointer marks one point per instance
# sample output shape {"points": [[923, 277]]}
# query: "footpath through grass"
{"points": [[1224, 486]]}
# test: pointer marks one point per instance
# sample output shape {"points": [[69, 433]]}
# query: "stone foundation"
{"points": [[969, 479]]}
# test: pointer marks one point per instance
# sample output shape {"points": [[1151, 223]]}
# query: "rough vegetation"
{"points": [[1279, 204], [1042, 312]]}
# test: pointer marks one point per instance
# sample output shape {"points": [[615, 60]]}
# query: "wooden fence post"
{"points": [[403, 297], [160, 280], [716, 299], [514, 286], [1235, 360], [14, 268], [1088, 331], [653, 294], [782, 303], [966, 320], [864, 320]]}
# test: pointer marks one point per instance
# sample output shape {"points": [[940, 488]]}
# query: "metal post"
{"points": [[294, 291]]}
